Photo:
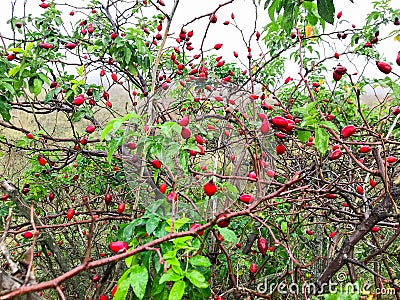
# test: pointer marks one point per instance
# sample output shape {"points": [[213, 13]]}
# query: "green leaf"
{"points": [[303, 135], [50, 95], [184, 161], [123, 286], [138, 279], [284, 227], [177, 290], [228, 235], [288, 16], [37, 86], [151, 225], [199, 261], [8, 87], [326, 10], [321, 140], [197, 279], [5, 108], [170, 276]]}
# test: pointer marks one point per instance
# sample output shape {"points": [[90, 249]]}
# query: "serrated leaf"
{"points": [[228, 235], [177, 290], [196, 278], [199, 261], [138, 280], [321, 140], [326, 10]]}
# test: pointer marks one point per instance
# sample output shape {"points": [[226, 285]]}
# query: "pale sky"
{"points": [[219, 33]]}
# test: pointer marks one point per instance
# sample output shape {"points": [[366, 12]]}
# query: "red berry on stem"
{"points": [[262, 245], [70, 214], [194, 227], [375, 229], [121, 207], [118, 247], [223, 223], [156, 164], [210, 188], [108, 198], [163, 188], [246, 198], [348, 131], [280, 149], [253, 268], [384, 67]]}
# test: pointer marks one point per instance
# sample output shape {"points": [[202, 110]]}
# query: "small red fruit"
{"points": [[194, 227], [172, 196], [262, 245], [27, 235], [398, 59], [217, 46], [163, 188], [210, 188], [375, 229], [121, 207], [108, 198], [253, 268], [364, 149], [51, 196], [333, 234], [70, 214], [79, 100], [114, 35], [185, 133], [279, 122], [114, 290], [44, 5], [213, 18], [372, 182], [384, 67], [42, 161], [391, 159], [309, 232], [252, 175], [114, 77], [184, 121], [104, 297], [246, 198], [96, 278], [118, 247], [280, 149], [70, 45], [90, 129], [271, 173], [223, 223], [360, 189], [29, 136], [348, 131], [156, 164], [339, 14], [199, 139]]}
